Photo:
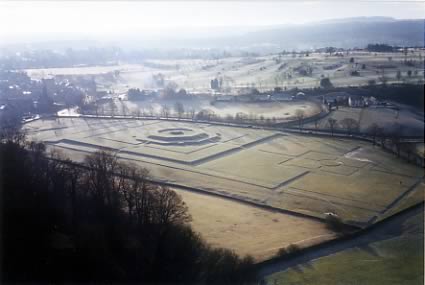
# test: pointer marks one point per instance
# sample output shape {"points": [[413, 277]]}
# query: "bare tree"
{"points": [[74, 174], [205, 114], [241, 117], [100, 177], [124, 108], [165, 111], [179, 108], [332, 124], [151, 110], [149, 204], [170, 208], [112, 107], [374, 130], [316, 124], [299, 114], [349, 124], [398, 75], [135, 193], [395, 138], [192, 113], [10, 130], [229, 118], [138, 112], [96, 108]]}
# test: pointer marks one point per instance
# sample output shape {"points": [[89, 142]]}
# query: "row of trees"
{"points": [[102, 223], [348, 124], [388, 139], [177, 111]]}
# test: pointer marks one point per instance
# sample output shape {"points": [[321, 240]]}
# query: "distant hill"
{"points": [[347, 33], [358, 19]]}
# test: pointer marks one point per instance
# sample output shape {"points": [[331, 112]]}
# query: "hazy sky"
{"points": [[23, 19]]}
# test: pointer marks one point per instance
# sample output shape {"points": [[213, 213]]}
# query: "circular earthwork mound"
{"points": [[182, 136]]}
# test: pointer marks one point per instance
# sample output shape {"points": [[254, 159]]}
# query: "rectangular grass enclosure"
{"points": [[303, 174]]}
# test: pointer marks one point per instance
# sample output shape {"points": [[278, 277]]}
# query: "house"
{"points": [[335, 99], [371, 101], [339, 97], [356, 102]]}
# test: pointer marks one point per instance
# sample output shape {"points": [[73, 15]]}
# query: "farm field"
{"points": [[264, 72], [307, 175], [250, 230], [394, 254]]}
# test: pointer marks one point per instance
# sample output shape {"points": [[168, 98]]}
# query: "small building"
{"points": [[370, 101], [300, 95], [336, 99], [356, 102], [224, 98], [281, 97]]}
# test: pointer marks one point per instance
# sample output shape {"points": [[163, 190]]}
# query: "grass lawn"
{"points": [[386, 260]]}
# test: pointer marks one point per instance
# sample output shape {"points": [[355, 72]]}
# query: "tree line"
{"points": [[104, 223]]}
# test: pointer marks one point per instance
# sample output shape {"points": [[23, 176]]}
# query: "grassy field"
{"points": [[411, 123], [309, 175], [393, 255], [250, 230]]}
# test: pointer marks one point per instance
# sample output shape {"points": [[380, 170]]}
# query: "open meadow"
{"points": [[250, 230]]}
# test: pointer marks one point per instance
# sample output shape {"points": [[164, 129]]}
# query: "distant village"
{"points": [[23, 97]]}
